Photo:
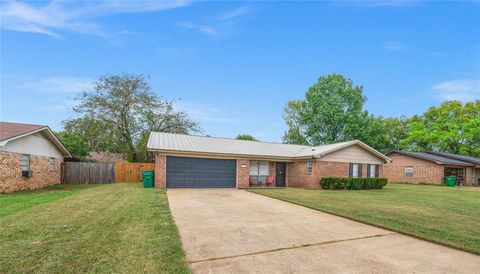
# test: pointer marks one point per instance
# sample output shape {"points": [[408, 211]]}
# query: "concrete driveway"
{"points": [[234, 231]]}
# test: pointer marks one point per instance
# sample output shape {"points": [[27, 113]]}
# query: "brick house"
{"points": [[431, 167], [196, 161], [30, 157]]}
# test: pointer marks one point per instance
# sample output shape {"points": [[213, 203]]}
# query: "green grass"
{"points": [[449, 216], [14, 203], [118, 228]]}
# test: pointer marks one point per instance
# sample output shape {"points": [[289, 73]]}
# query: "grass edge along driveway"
{"points": [[115, 228], [448, 216]]}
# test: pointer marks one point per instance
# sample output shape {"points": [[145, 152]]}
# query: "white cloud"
{"points": [[216, 26], [461, 90], [208, 30], [395, 46], [59, 85], [55, 16], [235, 13], [59, 106]]}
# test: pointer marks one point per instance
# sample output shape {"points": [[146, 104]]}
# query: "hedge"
{"points": [[352, 183]]}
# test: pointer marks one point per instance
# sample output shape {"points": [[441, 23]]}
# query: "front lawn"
{"points": [[449, 216], [14, 203], [114, 228]]}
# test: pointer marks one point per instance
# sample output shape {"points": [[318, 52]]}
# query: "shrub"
{"points": [[352, 183]]}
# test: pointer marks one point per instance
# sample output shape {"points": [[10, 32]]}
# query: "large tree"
{"points": [[452, 127], [331, 112], [292, 117], [118, 114]]}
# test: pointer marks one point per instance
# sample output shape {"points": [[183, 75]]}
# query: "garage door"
{"points": [[200, 172]]}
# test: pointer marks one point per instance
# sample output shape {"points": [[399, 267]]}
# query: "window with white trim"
{"points": [[25, 162], [355, 171], [51, 164], [258, 171], [309, 167], [409, 172], [372, 171]]}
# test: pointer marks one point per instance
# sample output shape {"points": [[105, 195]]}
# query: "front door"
{"points": [[280, 171]]}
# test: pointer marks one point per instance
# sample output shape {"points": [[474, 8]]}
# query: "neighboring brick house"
{"points": [[199, 162], [30, 157], [431, 167]]}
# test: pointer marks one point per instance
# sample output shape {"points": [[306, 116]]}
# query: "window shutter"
{"points": [[359, 170], [368, 170], [350, 170], [377, 171]]}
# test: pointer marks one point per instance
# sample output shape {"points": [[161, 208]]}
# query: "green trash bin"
{"points": [[148, 178], [450, 180]]}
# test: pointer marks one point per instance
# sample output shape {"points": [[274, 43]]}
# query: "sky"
{"points": [[234, 65]]}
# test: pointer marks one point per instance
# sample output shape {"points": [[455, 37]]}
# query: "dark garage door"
{"points": [[200, 172]]}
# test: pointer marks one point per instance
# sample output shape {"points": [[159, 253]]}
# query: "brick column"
{"points": [[160, 170], [272, 171], [243, 173]]}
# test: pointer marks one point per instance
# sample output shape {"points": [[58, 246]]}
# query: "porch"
{"points": [[267, 174]]}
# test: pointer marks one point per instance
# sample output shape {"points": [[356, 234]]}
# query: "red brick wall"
{"points": [[160, 171], [469, 176], [298, 177], [243, 173], [423, 171], [11, 172]]}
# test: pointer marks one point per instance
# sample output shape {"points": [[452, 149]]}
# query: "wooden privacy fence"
{"points": [[88, 173], [131, 172]]}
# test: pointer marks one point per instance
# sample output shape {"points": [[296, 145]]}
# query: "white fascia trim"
{"points": [[355, 142]]}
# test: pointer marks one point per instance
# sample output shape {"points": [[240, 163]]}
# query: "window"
{"points": [[258, 171], [25, 162], [372, 171], [355, 170], [409, 172], [309, 166], [51, 164]]}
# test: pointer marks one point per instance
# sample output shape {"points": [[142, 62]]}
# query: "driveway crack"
{"points": [[290, 247]]}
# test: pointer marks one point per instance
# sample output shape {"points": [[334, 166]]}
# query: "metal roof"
{"points": [[214, 145], [435, 158]]}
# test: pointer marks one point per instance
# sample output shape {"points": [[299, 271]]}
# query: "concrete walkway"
{"points": [[234, 231]]}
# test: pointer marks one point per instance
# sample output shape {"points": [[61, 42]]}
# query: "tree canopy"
{"points": [[120, 111], [451, 127], [332, 111], [246, 137]]}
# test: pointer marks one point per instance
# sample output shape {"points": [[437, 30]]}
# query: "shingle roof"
{"points": [[10, 130], [435, 158], [215, 145], [458, 157]]}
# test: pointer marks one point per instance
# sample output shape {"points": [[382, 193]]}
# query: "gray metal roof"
{"points": [[458, 157], [214, 145], [434, 158]]}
